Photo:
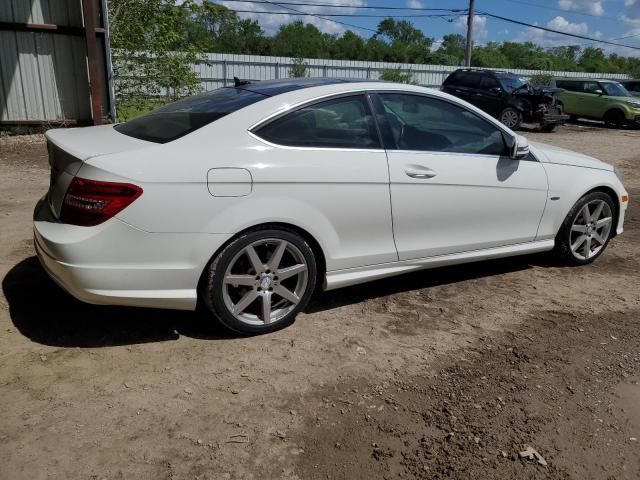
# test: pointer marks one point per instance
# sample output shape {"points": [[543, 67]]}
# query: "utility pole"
{"points": [[467, 53]]}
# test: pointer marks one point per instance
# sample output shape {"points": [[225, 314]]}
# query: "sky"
{"points": [[601, 19]]}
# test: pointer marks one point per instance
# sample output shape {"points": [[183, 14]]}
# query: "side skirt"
{"points": [[353, 276]]}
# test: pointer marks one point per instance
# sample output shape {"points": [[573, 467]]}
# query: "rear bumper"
{"points": [[117, 264]]}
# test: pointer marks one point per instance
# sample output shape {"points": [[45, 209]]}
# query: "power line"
{"points": [[321, 17], [353, 7], [357, 15], [551, 30]]}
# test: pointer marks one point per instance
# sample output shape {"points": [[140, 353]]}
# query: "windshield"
{"points": [[511, 82], [184, 116], [614, 89]]}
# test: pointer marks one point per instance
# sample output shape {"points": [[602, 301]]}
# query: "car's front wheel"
{"points": [[260, 281], [614, 118], [586, 230], [511, 118]]}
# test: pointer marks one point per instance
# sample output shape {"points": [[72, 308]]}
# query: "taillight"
{"points": [[90, 202]]}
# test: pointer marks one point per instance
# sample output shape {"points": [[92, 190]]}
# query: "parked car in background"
{"points": [[594, 99], [632, 86], [506, 97]]}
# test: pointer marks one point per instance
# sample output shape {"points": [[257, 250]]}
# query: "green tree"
{"points": [[489, 55], [298, 39], [349, 46], [452, 49], [593, 60], [225, 32], [149, 55], [406, 43]]}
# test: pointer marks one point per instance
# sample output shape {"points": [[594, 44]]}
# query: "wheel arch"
{"points": [[321, 263], [614, 110], [611, 193]]}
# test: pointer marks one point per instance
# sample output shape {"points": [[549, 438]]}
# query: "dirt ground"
{"points": [[447, 373]]}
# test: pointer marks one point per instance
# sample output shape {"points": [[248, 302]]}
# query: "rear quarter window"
{"points": [[187, 115]]}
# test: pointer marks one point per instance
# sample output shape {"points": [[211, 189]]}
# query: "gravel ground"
{"points": [[447, 373]]}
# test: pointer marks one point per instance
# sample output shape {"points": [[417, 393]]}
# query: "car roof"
{"points": [[270, 88], [485, 70], [577, 79]]}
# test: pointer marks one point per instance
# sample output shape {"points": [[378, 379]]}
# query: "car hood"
{"points": [[563, 156], [538, 91]]}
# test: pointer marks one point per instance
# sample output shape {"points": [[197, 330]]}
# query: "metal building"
{"points": [[55, 64]]}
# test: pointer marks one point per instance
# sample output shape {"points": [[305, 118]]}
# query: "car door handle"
{"points": [[419, 172]]}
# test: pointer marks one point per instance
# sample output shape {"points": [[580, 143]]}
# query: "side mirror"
{"points": [[598, 92], [495, 90], [520, 147]]}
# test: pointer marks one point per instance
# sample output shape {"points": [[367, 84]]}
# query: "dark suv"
{"points": [[507, 97], [633, 86]]}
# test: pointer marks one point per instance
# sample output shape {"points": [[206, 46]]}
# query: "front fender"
{"points": [[567, 184]]}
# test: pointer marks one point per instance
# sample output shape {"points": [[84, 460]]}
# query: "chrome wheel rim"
{"points": [[265, 281], [590, 229], [509, 118]]}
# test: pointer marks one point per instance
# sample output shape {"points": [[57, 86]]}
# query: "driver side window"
{"points": [[422, 123]]}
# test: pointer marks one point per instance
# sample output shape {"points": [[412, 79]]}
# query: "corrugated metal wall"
{"points": [[43, 76], [220, 68]]}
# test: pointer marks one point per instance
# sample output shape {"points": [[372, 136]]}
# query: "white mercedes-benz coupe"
{"points": [[249, 198]]}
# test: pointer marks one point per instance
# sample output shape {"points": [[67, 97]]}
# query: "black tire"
{"points": [[563, 239], [511, 118], [549, 128], [614, 118], [212, 292]]}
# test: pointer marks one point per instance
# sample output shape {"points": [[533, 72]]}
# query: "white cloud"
{"points": [[631, 13], [563, 25], [415, 4], [479, 25], [271, 22], [588, 6], [549, 39]]}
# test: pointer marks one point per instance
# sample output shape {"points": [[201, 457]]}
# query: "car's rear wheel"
{"points": [[614, 118], [260, 281], [511, 118], [587, 229]]}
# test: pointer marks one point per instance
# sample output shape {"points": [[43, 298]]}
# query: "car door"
{"points": [[453, 188], [470, 87], [572, 97], [595, 100], [488, 96], [325, 162]]}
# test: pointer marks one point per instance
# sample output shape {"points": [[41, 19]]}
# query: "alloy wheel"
{"points": [[510, 118], [265, 281], [590, 229]]}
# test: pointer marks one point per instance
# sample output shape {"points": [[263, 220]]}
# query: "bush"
{"points": [[541, 79], [298, 68], [397, 75]]}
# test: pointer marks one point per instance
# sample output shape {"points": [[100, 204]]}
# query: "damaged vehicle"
{"points": [[507, 97]]}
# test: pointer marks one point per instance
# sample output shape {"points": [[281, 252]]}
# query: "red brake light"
{"points": [[90, 202]]}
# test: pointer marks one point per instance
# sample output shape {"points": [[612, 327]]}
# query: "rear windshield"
{"points": [[184, 116]]}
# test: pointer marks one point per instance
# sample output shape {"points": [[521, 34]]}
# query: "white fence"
{"points": [[219, 69]]}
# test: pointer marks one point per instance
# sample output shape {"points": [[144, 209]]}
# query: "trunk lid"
{"points": [[69, 148]]}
